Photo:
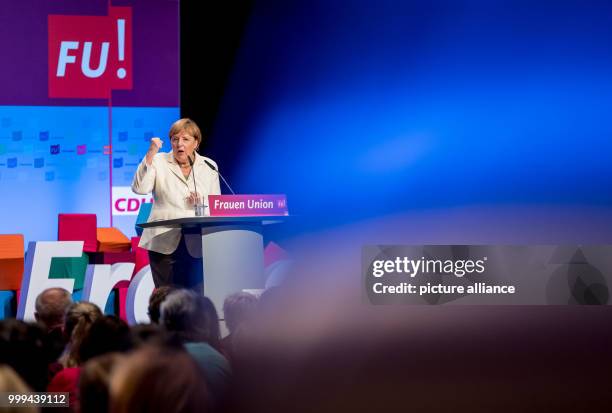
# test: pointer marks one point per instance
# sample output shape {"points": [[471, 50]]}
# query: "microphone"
{"points": [[217, 171], [195, 188]]}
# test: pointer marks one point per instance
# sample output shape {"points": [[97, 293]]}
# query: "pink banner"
{"points": [[90, 55], [247, 205]]}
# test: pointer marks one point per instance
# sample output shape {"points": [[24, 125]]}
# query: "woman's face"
{"points": [[183, 147]]}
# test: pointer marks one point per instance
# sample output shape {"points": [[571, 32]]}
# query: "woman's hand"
{"points": [[155, 146], [194, 199]]}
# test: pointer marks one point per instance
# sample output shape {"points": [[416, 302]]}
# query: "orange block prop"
{"points": [[112, 240], [11, 261]]}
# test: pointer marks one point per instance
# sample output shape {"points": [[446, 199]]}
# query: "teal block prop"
{"points": [[6, 304], [64, 267], [76, 295], [143, 215], [109, 309]]}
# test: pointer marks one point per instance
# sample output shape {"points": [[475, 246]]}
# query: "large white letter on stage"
{"points": [[36, 272], [139, 291], [101, 278]]}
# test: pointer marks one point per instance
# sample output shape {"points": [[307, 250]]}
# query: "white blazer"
{"points": [[170, 192]]}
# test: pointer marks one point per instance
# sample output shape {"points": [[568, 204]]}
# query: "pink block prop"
{"points": [[122, 292], [78, 227], [273, 253]]}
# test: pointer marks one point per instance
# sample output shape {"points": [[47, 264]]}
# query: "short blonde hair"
{"points": [[187, 125]]}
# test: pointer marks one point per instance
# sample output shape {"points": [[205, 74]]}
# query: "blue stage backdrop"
{"points": [[73, 129], [456, 113]]}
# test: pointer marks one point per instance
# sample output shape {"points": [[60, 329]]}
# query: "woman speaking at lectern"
{"points": [[181, 181]]}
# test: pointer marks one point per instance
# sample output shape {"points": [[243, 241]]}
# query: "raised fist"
{"points": [[156, 144]]}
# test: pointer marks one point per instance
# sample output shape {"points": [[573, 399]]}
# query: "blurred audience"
{"points": [[22, 346], [155, 380], [77, 322], [238, 308], [158, 296], [335, 356], [194, 320], [106, 334], [94, 383], [10, 382], [154, 335], [51, 306], [50, 310], [79, 318]]}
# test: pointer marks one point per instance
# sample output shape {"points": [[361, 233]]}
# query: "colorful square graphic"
{"points": [[90, 55]]}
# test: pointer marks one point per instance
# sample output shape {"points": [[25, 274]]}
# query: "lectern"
{"points": [[232, 251]]}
